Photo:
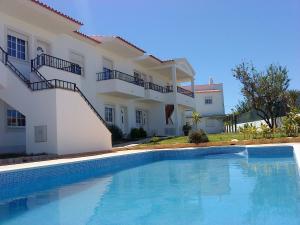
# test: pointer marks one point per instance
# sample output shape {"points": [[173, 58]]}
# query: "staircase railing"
{"points": [[46, 84], [5, 61], [57, 63], [66, 85]]}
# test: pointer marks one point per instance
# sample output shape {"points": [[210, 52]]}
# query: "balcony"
{"points": [[185, 92], [54, 68], [154, 92], [57, 63], [120, 84], [184, 97]]}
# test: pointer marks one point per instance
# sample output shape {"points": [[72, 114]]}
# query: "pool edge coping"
{"points": [[56, 162], [47, 163]]}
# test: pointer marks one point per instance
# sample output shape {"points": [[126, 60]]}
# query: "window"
{"points": [[79, 60], [16, 47], [109, 114], [107, 68], [138, 116], [15, 118], [208, 100]]}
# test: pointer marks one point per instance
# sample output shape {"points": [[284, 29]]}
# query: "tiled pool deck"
{"points": [[203, 150]]}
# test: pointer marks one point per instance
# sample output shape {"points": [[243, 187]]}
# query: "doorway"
{"points": [[124, 119]]}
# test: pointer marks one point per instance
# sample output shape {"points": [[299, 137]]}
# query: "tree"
{"points": [[265, 92], [294, 96], [242, 107], [196, 117]]}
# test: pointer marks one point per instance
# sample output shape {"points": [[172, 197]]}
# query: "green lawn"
{"points": [[211, 137]]}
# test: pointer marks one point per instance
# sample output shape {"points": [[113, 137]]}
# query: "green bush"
{"points": [[265, 131], [290, 123], [143, 133], [249, 130], [116, 133], [138, 133], [186, 129], [197, 137]]}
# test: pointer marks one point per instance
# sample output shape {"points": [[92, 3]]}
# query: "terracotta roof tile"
{"points": [[159, 60], [206, 87], [56, 11], [88, 37]]}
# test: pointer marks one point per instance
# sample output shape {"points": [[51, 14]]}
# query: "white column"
{"points": [[193, 85], [174, 80], [174, 83]]}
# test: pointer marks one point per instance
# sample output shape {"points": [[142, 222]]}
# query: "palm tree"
{"points": [[196, 117]]}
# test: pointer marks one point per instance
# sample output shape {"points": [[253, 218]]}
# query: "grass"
{"points": [[211, 138], [223, 139]]}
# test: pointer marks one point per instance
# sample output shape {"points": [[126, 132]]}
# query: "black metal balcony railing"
{"points": [[155, 87], [169, 89], [54, 62], [185, 92], [46, 84], [114, 74], [55, 83]]}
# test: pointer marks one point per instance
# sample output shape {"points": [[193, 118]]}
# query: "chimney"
{"points": [[210, 81]]}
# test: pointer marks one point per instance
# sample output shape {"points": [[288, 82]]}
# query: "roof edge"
{"points": [[45, 6]]}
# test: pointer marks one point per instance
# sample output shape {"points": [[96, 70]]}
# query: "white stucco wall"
{"points": [[217, 106], [37, 107], [212, 121], [12, 140], [61, 112]]}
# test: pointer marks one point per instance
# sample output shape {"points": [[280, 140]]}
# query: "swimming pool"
{"points": [[162, 187]]}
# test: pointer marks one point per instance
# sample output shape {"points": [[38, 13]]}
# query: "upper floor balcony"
{"points": [[184, 97], [155, 92], [117, 83], [56, 68], [57, 63]]}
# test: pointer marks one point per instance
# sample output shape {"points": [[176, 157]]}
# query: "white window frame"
{"points": [[12, 114], [81, 64], [208, 100], [18, 36], [110, 119], [139, 117]]}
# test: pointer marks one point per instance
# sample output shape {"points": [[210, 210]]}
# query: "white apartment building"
{"points": [[210, 104], [59, 88]]}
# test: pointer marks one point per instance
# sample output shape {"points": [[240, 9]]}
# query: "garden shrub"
{"points": [[143, 133], [197, 137], [186, 129], [249, 130], [116, 133], [265, 131], [290, 123], [138, 133]]}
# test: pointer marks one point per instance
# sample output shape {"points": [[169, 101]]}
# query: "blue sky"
{"points": [[214, 35]]}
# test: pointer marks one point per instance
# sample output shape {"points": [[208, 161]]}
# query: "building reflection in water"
{"points": [[221, 189]]}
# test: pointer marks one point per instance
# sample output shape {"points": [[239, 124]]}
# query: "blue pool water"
{"points": [[222, 189]]}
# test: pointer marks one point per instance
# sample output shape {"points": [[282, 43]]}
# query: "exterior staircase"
{"points": [[56, 107]]}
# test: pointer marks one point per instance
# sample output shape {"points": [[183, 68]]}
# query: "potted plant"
{"points": [[186, 129]]}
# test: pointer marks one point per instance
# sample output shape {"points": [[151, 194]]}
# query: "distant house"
{"points": [[209, 100]]}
